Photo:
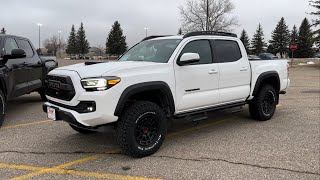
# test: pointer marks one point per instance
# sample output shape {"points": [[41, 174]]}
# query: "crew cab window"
{"points": [[25, 45], [10, 44], [227, 51], [202, 47]]}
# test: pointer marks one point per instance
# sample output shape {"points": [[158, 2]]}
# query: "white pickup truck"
{"points": [[164, 78]]}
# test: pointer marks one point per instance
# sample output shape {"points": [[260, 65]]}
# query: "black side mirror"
{"points": [[15, 54]]}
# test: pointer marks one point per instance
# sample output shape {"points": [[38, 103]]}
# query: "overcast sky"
{"points": [[20, 17]]}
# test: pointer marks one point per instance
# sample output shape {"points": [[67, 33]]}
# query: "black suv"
{"points": [[22, 71]]}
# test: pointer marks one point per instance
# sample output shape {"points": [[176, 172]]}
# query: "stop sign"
{"points": [[294, 47]]}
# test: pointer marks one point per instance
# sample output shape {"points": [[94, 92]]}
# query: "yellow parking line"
{"points": [[26, 124], [61, 168], [74, 172], [21, 167]]}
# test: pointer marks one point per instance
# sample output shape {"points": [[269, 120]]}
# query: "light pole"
{"points": [[59, 45], [146, 28], [39, 25]]}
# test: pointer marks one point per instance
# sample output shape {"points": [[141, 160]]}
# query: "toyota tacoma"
{"points": [[162, 78]]}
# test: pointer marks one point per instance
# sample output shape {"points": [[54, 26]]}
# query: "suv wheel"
{"points": [[141, 129], [2, 107], [81, 130], [263, 106]]}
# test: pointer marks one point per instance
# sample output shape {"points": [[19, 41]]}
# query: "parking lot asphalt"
{"points": [[229, 145]]}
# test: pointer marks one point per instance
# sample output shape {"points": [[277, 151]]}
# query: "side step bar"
{"points": [[201, 111]]}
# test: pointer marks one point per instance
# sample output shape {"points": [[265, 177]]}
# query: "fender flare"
{"points": [[264, 76], [141, 87]]}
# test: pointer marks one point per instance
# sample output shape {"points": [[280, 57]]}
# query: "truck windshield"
{"points": [[152, 51]]}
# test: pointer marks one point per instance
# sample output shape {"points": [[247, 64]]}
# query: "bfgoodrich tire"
{"points": [[263, 106], [2, 107], [141, 129]]}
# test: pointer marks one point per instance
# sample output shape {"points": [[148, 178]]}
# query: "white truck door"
{"points": [[235, 72], [197, 84]]}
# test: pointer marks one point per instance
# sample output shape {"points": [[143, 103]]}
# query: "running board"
{"points": [[216, 108], [198, 117]]}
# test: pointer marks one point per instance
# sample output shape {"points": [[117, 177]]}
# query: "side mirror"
{"points": [[188, 58], [15, 54]]}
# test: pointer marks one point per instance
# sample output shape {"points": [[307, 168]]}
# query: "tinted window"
{"points": [[10, 44], [25, 45], [227, 51], [202, 47]]}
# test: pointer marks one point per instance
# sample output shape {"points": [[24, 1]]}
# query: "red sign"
{"points": [[293, 47]]}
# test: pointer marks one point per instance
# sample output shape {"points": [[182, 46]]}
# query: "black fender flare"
{"points": [[264, 76], [3, 84], [141, 87]]}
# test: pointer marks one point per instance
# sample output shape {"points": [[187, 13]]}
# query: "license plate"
{"points": [[51, 113], [54, 85]]}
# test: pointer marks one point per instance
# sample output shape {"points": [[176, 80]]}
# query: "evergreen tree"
{"points": [[116, 41], [72, 42], [280, 38], [294, 35], [82, 42], [245, 40], [305, 40], [3, 31], [258, 44], [180, 31]]}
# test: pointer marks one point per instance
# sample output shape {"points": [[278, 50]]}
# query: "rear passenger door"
{"points": [[235, 74], [197, 84], [33, 65]]}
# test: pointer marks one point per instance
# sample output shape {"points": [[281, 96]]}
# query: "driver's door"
{"points": [[17, 71], [197, 84]]}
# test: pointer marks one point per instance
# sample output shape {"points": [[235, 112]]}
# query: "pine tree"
{"points": [[280, 38], [116, 41], [179, 31], [294, 35], [305, 40], [82, 42], [3, 31], [245, 40], [258, 44], [72, 42]]}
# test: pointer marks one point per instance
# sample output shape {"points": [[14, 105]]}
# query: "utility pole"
{"points": [[59, 46]]}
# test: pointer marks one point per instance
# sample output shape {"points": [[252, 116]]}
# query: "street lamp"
{"points": [[146, 28], [59, 45], [39, 25]]}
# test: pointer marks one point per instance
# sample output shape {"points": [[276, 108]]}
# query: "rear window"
{"points": [[227, 51]]}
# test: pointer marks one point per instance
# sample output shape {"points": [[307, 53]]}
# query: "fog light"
{"points": [[90, 109]]}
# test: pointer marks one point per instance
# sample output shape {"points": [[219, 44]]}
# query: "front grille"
{"points": [[65, 91]]}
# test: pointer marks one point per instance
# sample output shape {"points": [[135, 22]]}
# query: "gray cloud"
{"points": [[20, 17]]}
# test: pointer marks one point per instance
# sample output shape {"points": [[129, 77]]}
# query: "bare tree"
{"points": [[54, 45], [194, 15]]}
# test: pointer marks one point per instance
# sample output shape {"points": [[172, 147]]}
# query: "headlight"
{"points": [[99, 84]]}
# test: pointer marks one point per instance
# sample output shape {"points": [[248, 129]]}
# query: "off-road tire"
{"points": [[2, 107], [81, 130], [132, 125], [257, 107]]}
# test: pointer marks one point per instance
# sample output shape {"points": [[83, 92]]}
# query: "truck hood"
{"points": [[98, 69]]}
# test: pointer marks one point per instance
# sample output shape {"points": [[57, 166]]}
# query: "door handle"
{"points": [[244, 69], [213, 71]]}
